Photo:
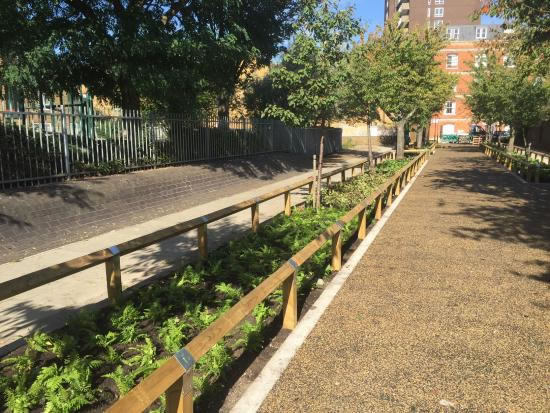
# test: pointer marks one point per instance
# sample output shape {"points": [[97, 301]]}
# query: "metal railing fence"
{"points": [[37, 147]]}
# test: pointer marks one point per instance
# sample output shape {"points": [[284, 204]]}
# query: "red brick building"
{"points": [[465, 49]]}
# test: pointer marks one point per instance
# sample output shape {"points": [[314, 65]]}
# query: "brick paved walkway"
{"points": [[42, 218], [449, 310]]}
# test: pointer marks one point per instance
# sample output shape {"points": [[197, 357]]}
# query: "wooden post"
{"points": [[319, 174], [255, 210], [398, 186], [328, 180], [287, 203], [113, 275], [290, 302], [311, 188], [343, 176], [336, 263], [390, 195], [378, 213], [362, 233], [179, 396], [203, 241], [352, 172], [362, 168]]}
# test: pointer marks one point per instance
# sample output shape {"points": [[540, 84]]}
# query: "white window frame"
{"points": [[429, 12], [481, 33], [437, 23], [439, 1], [450, 105], [439, 12], [453, 33], [452, 63]]}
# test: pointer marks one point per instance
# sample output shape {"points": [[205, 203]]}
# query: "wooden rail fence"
{"points": [[174, 377], [542, 157], [528, 171]]}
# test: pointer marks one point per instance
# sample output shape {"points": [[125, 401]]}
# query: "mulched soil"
{"points": [[449, 310]]}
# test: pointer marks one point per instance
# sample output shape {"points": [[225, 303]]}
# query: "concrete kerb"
{"points": [[256, 393]]}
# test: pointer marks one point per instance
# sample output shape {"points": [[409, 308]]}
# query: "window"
{"points": [[450, 108], [452, 34], [481, 59], [437, 23], [438, 12], [481, 32], [429, 12], [439, 1], [452, 60]]}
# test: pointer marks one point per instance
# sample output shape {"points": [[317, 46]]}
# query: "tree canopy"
{"points": [[529, 34], [173, 55], [508, 95], [311, 70], [408, 82]]}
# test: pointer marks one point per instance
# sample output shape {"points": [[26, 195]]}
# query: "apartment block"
{"points": [[415, 13]]}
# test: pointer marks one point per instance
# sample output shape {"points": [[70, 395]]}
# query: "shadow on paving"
{"points": [[519, 213]]}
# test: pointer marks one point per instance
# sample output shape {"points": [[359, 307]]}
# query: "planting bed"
{"points": [[101, 355]]}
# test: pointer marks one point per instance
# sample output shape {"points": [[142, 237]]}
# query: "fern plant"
{"points": [[126, 323], [172, 334], [67, 388], [44, 343]]}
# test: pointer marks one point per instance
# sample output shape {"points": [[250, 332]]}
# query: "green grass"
{"points": [[116, 347]]}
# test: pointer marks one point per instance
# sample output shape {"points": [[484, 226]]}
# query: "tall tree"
{"points": [[509, 95], [404, 67], [438, 93], [173, 55], [358, 98], [311, 69]]}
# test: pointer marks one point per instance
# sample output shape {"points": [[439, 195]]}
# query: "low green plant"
{"points": [[126, 323], [65, 388], [172, 334]]}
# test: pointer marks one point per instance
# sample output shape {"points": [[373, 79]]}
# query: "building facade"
{"points": [[416, 13], [464, 51]]}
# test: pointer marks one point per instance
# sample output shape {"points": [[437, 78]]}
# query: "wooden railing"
{"points": [[174, 377], [111, 256], [527, 170], [542, 157]]}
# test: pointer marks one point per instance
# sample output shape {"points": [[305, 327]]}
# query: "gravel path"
{"points": [[449, 310]]}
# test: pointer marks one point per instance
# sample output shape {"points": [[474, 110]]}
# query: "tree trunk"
{"points": [[512, 139], [419, 136], [400, 146], [369, 142], [223, 107]]}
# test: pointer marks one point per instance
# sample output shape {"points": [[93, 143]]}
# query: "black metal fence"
{"points": [[37, 147]]}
